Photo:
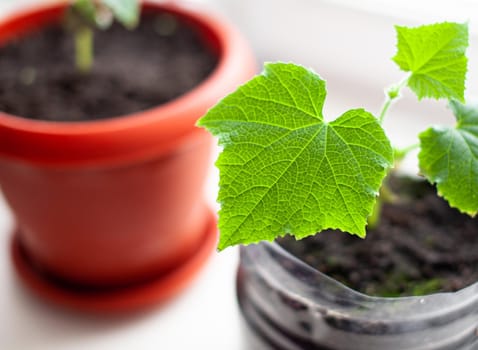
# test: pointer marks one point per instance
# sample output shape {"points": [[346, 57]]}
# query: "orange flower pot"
{"points": [[110, 213]]}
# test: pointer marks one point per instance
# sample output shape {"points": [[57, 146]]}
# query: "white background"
{"points": [[347, 42]]}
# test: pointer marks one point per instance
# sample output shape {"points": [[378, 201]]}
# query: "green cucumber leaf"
{"points": [[435, 56], [449, 158], [125, 11], [284, 169]]}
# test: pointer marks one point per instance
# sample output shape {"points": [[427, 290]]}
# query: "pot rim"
{"points": [[291, 278], [142, 134]]}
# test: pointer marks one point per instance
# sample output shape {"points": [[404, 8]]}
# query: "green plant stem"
{"points": [[374, 218], [386, 196], [401, 153], [393, 93], [385, 107], [84, 49]]}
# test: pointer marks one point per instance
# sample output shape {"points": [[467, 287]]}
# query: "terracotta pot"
{"points": [[107, 204]]}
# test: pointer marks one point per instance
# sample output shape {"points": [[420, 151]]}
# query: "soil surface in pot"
{"points": [[133, 70], [420, 246]]}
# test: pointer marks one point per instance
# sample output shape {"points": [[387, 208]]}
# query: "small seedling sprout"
{"points": [[85, 15]]}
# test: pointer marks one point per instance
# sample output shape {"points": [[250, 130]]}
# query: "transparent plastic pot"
{"points": [[287, 305]]}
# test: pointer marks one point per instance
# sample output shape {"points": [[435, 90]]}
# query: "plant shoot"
{"points": [[85, 15], [285, 170]]}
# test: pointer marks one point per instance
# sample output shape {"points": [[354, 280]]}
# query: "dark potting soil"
{"points": [[420, 246], [133, 70]]}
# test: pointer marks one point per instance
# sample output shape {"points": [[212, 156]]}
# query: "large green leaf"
{"points": [[284, 169], [435, 56], [449, 158]]}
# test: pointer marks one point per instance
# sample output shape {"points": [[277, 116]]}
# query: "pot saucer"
{"points": [[131, 298]]}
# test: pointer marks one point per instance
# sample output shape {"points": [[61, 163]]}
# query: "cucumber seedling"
{"points": [[285, 170], [85, 15]]}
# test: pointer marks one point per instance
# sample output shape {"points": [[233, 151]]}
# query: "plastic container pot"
{"points": [[110, 213], [287, 305]]}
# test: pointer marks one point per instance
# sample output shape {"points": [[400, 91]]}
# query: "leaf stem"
{"points": [[374, 218], [386, 196], [393, 93], [401, 153], [84, 49], [385, 107]]}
